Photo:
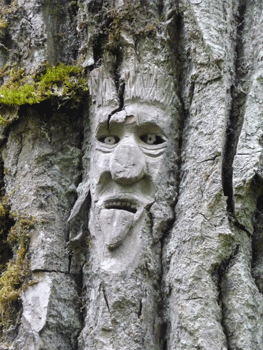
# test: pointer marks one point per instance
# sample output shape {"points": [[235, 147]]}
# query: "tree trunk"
{"points": [[131, 211]]}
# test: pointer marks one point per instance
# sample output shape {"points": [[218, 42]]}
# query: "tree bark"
{"points": [[144, 193]]}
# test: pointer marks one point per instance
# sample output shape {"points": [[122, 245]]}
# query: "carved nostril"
{"points": [[127, 164]]}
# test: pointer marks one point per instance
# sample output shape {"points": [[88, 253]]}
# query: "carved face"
{"points": [[128, 168]]}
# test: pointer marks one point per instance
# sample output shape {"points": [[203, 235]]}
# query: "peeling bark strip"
{"points": [[146, 192]]}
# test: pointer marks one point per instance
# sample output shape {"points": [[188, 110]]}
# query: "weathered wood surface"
{"points": [[138, 243]]}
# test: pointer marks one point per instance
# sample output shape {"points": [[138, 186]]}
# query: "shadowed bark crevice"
{"points": [[160, 7], [235, 111], [176, 43], [218, 276], [163, 335], [180, 68], [257, 245], [6, 222]]}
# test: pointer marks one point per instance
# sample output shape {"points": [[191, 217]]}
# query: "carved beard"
{"points": [[116, 225], [120, 236]]}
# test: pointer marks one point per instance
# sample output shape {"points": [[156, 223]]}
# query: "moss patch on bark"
{"points": [[16, 273], [66, 82]]}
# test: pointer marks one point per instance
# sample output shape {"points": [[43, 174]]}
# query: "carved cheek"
{"points": [[127, 164], [100, 166], [155, 167], [104, 162]]}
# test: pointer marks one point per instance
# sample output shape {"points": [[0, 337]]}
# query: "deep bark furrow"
{"points": [[257, 245], [235, 111]]}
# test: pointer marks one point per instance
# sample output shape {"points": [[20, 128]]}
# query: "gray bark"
{"points": [[183, 270]]}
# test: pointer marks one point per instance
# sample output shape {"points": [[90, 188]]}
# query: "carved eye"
{"points": [[109, 140], [152, 139]]}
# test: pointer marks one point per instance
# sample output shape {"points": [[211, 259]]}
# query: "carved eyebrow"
{"points": [[150, 128], [116, 128], [103, 129]]}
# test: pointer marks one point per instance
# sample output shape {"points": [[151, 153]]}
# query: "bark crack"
{"points": [[212, 159], [105, 296], [121, 89], [140, 309]]}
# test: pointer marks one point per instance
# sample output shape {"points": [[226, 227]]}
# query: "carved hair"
{"points": [[145, 82], [149, 83]]}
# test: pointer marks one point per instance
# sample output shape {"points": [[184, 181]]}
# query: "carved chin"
{"points": [[116, 224]]}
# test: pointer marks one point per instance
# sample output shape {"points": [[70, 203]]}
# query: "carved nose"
{"points": [[127, 164]]}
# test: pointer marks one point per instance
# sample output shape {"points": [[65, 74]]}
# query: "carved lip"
{"points": [[121, 204]]}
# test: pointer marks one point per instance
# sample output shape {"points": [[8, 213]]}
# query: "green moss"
{"points": [[7, 10], [14, 263], [16, 274], [66, 82], [3, 24]]}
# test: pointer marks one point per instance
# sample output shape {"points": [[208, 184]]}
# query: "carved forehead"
{"points": [[136, 112], [144, 113]]}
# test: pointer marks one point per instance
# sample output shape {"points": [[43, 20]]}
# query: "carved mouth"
{"points": [[121, 204]]}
